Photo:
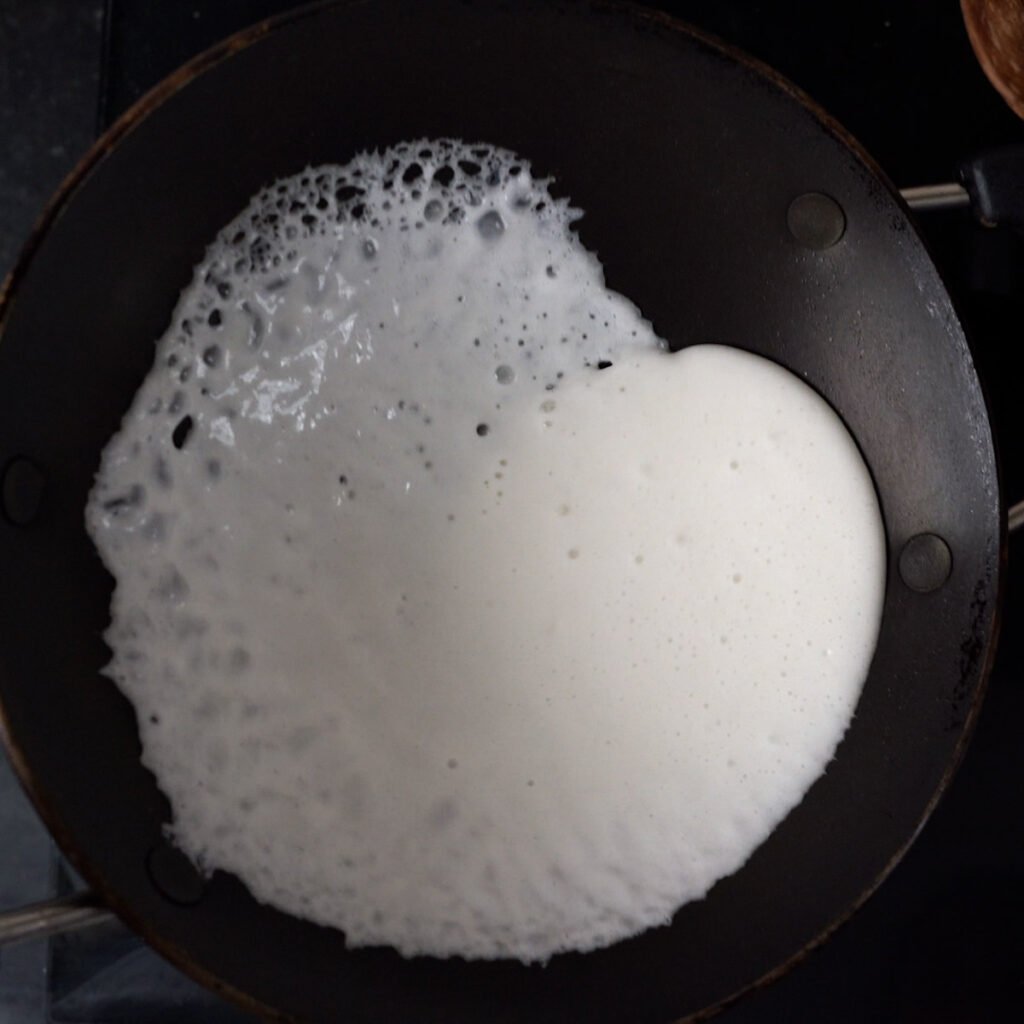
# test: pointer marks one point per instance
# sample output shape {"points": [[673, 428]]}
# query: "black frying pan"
{"points": [[687, 159]]}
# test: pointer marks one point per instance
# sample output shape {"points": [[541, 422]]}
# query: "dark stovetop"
{"points": [[943, 940]]}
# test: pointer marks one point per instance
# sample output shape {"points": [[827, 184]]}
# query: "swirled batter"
{"points": [[457, 613]]}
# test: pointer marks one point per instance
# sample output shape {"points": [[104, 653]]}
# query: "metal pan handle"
{"points": [[1015, 517], [38, 920], [991, 184]]}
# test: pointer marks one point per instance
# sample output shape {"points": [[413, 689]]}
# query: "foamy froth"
{"points": [[457, 613]]}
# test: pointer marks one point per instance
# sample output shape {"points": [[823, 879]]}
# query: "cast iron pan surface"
{"points": [[685, 157]]}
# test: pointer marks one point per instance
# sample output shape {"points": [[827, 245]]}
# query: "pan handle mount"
{"points": [[991, 184], [994, 181]]}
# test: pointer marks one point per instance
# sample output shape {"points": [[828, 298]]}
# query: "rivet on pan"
{"points": [[21, 491], [174, 875], [925, 562], [816, 220]]}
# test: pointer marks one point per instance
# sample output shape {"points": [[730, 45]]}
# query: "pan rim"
{"points": [[155, 98]]}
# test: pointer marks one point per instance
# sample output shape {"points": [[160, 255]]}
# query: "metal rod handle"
{"points": [[936, 197], [1015, 517], [37, 920]]}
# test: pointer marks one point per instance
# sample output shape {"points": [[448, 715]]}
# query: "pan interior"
{"points": [[523, 678]]}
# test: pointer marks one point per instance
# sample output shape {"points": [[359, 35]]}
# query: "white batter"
{"points": [[439, 633]]}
